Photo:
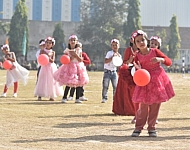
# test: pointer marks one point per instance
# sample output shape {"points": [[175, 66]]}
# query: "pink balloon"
{"points": [[141, 77], [65, 59], [7, 64], [43, 59]]}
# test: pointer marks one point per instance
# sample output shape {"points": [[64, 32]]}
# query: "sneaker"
{"points": [[39, 98], [70, 98], [152, 133], [78, 101], [104, 100], [136, 133], [15, 95], [156, 121], [64, 100], [4, 95], [83, 98]]}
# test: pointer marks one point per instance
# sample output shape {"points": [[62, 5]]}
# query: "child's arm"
{"points": [[86, 59], [12, 58], [76, 53], [161, 57], [52, 57]]}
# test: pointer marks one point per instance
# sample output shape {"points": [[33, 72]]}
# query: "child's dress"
{"points": [[73, 74], [159, 89], [46, 86], [16, 73]]}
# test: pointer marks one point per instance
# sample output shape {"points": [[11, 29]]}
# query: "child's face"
{"points": [[115, 46], [141, 42], [5, 50], [48, 44], [42, 46], [73, 42], [154, 44]]}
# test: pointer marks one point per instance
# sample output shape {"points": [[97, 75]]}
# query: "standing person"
{"points": [[41, 46], [155, 42], [158, 90], [46, 86], [73, 74], [15, 74], [110, 70], [86, 60], [122, 104]]}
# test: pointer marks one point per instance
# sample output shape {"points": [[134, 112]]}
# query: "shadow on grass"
{"points": [[106, 139]]}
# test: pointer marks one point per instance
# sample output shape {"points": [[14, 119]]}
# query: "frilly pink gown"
{"points": [[46, 86], [159, 89], [73, 74]]}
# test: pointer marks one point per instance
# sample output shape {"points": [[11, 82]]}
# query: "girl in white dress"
{"points": [[15, 73]]}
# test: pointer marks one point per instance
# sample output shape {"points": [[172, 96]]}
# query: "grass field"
{"points": [[28, 124]]}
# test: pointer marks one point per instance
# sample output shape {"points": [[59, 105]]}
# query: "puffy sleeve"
{"points": [[127, 54], [168, 61]]}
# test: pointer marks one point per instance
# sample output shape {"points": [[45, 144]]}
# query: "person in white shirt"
{"points": [[110, 70]]}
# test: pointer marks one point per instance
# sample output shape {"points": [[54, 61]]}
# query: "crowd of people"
{"points": [[129, 99]]}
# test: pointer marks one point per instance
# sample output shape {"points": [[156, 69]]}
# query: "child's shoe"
{"points": [[152, 133], [4, 95], [51, 99], [39, 98], [136, 133], [64, 100], [15, 95], [70, 98], [104, 100], [78, 101], [82, 98]]}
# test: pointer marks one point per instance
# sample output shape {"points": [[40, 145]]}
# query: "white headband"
{"points": [[156, 38], [73, 37], [5, 46], [50, 39], [115, 40]]}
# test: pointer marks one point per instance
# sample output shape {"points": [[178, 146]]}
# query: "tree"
{"points": [[58, 35], [174, 42], [19, 28], [164, 45], [102, 20], [133, 20], [4, 27]]}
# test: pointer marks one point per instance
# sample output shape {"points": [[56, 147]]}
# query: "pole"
{"points": [[183, 66]]}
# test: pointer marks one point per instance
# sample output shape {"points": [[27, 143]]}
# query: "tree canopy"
{"points": [[18, 28], [174, 42], [58, 35], [102, 20], [133, 20]]}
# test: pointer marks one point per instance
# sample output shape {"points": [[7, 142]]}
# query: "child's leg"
{"points": [[15, 87], [78, 92], [5, 89], [105, 85], [72, 91], [114, 80], [67, 88], [153, 114], [141, 116]]}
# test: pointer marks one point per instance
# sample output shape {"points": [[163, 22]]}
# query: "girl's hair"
{"points": [[140, 32], [69, 46], [42, 42]]}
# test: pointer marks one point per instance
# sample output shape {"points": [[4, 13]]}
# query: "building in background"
{"points": [[44, 10]]}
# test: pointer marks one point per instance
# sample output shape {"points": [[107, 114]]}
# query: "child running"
{"points": [[15, 74], [158, 90]]}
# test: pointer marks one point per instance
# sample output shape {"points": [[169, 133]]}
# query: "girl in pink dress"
{"points": [[46, 85], [158, 90], [15, 73], [73, 74]]}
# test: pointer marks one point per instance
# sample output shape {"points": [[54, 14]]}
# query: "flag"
{"points": [[24, 44]]}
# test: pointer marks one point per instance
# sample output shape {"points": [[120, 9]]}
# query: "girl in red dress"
{"points": [[158, 90]]}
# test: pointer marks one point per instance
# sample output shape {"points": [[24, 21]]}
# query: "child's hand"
{"points": [[157, 59], [137, 66], [131, 59]]}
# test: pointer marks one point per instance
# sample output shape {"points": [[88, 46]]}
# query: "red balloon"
{"points": [[7, 64], [43, 59], [65, 59], [141, 77]]}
